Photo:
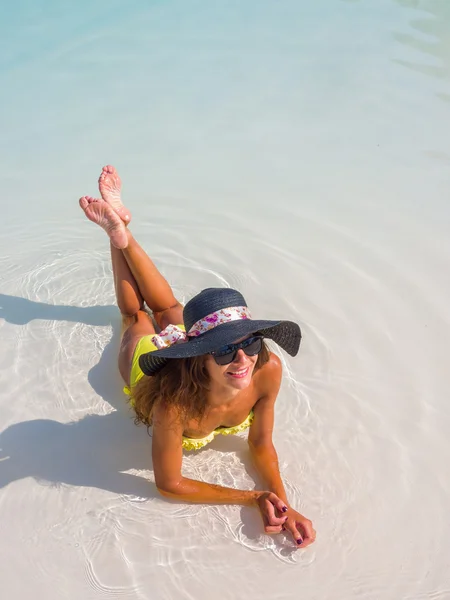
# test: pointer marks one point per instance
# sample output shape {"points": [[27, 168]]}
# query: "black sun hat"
{"points": [[213, 318]]}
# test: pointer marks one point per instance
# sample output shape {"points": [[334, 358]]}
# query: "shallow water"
{"points": [[298, 153]]}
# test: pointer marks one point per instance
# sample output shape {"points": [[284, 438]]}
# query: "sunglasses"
{"points": [[227, 354]]}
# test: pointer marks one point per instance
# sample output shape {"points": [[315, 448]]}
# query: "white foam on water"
{"points": [[298, 152]]}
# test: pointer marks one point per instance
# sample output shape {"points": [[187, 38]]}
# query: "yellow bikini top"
{"points": [[145, 344], [196, 443]]}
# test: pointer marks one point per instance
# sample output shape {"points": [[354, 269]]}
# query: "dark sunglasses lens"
{"points": [[254, 347], [226, 354], [225, 359]]}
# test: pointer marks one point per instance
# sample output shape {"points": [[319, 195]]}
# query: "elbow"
{"points": [[164, 492], [168, 489]]}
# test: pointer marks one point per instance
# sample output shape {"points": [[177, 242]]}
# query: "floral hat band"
{"points": [[174, 335], [225, 315], [214, 318]]}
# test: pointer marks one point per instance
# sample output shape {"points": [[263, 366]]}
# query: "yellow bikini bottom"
{"points": [[144, 345]]}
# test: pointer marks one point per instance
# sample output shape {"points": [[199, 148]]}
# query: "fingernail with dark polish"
{"points": [[284, 509], [299, 541]]}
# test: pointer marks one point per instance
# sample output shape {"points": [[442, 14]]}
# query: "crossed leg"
{"points": [[136, 278]]}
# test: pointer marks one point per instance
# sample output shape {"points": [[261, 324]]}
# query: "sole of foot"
{"points": [[110, 186], [102, 214]]}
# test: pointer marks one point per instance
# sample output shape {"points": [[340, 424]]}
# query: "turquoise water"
{"points": [[297, 151]]}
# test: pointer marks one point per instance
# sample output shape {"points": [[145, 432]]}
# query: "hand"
{"points": [[270, 505], [300, 527]]}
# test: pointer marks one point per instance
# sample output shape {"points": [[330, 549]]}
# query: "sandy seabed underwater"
{"points": [[297, 152]]}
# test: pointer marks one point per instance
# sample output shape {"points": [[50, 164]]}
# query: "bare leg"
{"points": [[155, 290], [130, 298], [135, 321], [142, 279], [128, 295], [151, 284]]}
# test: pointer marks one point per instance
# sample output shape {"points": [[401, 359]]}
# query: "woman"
{"points": [[207, 372]]}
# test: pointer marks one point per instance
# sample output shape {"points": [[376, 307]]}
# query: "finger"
{"points": [[271, 516], [308, 533], [306, 542], [277, 502], [292, 528], [306, 528], [273, 528]]}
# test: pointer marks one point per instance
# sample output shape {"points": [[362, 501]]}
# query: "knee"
{"points": [[177, 305], [137, 314], [127, 321], [171, 315], [128, 314], [130, 318]]}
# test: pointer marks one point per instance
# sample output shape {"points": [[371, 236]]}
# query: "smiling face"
{"points": [[237, 375]]}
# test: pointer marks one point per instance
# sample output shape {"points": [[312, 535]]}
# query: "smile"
{"points": [[239, 374]]}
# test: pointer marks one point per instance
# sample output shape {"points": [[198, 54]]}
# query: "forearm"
{"points": [[265, 460], [190, 490]]}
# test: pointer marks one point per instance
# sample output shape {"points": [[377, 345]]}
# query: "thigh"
{"points": [[133, 329]]}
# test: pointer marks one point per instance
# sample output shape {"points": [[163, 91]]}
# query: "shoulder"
{"points": [[167, 417], [268, 378], [272, 366]]}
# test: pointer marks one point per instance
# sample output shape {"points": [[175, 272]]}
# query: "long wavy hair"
{"points": [[183, 383]]}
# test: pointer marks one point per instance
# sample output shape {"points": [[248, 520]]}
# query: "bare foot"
{"points": [[101, 213], [110, 185]]}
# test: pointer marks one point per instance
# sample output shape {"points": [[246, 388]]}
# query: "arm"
{"points": [[167, 455], [264, 454], [262, 450]]}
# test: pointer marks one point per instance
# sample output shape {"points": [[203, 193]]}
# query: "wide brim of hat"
{"points": [[284, 333]]}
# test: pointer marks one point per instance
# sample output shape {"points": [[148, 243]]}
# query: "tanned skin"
{"points": [[235, 389]]}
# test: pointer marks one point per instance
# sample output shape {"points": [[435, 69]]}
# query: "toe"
{"points": [[84, 202]]}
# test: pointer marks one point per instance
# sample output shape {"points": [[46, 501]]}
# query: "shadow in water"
{"points": [[93, 451], [20, 311]]}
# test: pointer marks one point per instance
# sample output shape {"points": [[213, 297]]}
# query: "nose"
{"points": [[241, 357]]}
